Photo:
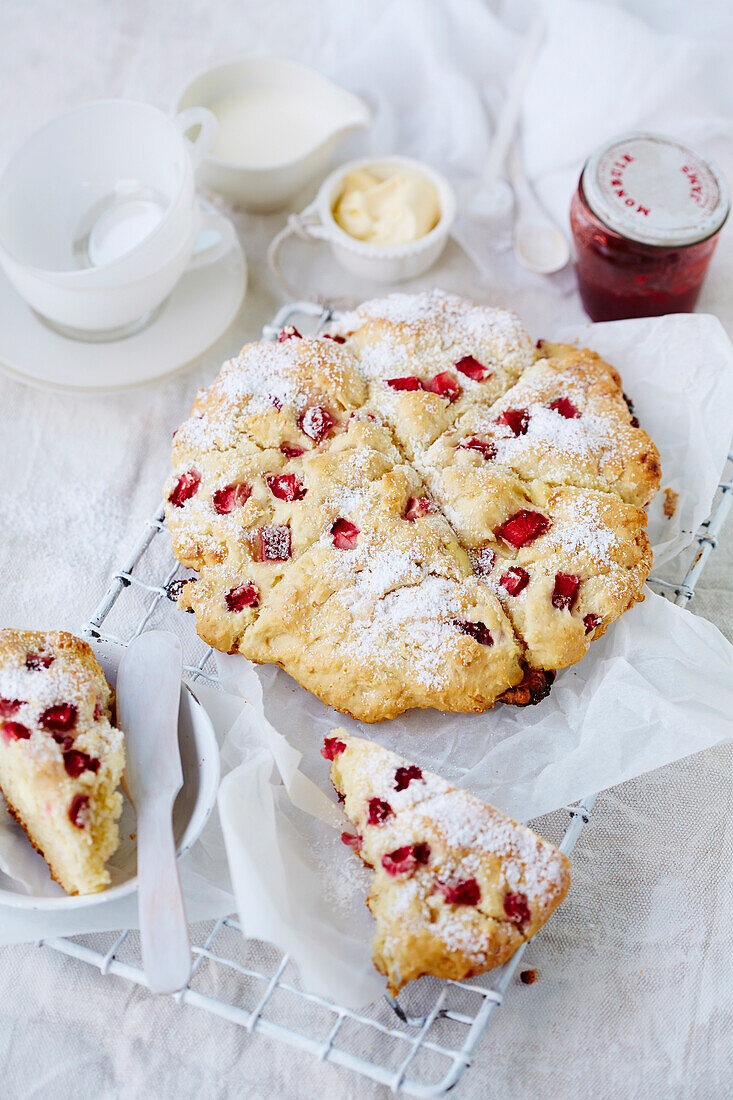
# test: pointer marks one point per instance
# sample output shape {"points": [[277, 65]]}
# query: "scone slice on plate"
{"points": [[565, 567], [61, 759], [565, 422], [430, 356], [458, 886]]}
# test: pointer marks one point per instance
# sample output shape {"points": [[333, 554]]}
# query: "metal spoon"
{"points": [[538, 243]]}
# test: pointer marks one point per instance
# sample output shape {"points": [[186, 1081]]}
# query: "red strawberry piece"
{"points": [[186, 487], [77, 762], [515, 580], [275, 401], [473, 369], [634, 422], [445, 385], [591, 622], [316, 422], [332, 747], [292, 450], [15, 731], [275, 542], [34, 662], [565, 592], [351, 840], [379, 811], [486, 450], [245, 595], [59, 718], [516, 908], [65, 740], [79, 810], [288, 333], [478, 631], [417, 507], [403, 776], [515, 419], [336, 339], [286, 486], [9, 706], [460, 891], [99, 710], [410, 382], [344, 534], [523, 527], [566, 408], [231, 497], [404, 860], [483, 560]]}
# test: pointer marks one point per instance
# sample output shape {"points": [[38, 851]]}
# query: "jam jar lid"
{"points": [[656, 191]]}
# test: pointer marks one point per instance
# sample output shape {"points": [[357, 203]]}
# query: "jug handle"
{"points": [[205, 119]]}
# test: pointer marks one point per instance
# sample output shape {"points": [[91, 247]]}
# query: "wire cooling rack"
{"points": [[420, 1044]]}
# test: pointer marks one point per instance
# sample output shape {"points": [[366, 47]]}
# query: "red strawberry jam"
{"points": [[286, 486], [417, 507], [332, 747], [274, 542], [186, 487], [522, 528], [403, 776], [565, 592], [379, 811], [59, 718], [233, 496], [517, 420], [245, 595], [565, 407], [79, 811], [77, 762], [478, 631], [461, 891], [344, 534], [515, 580], [316, 423], [473, 369], [292, 450], [403, 861], [516, 908]]}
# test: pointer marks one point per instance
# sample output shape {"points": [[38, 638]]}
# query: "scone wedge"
{"points": [[61, 759], [458, 886]]}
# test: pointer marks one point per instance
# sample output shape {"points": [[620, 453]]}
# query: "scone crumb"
{"points": [[671, 499]]}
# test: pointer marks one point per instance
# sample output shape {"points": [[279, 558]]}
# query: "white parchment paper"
{"points": [[658, 686]]}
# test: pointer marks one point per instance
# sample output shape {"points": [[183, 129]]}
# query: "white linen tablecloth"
{"points": [[634, 995]]}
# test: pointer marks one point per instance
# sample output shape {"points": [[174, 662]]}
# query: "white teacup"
{"points": [[99, 217]]}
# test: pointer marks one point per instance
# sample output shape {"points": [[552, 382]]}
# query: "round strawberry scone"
{"points": [[419, 509], [458, 886], [61, 759]]}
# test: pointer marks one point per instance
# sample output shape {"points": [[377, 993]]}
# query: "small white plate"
{"points": [[201, 307], [193, 805]]}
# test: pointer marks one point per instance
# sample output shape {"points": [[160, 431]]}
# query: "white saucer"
{"points": [[200, 309]]}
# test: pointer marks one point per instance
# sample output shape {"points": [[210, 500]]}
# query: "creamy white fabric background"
{"points": [[634, 996]]}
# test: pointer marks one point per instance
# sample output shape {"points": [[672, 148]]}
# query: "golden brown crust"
{"points": [[423, 433], [457, 885]]}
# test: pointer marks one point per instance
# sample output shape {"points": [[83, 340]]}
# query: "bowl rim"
{"points": [[323, 203], [263, 61], [209, 777]]}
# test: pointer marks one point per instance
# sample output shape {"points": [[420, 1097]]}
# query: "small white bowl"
{"points": [[381, 263], [193, 805], [264, 187]]}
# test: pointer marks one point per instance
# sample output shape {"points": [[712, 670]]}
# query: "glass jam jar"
{"points": [[645, 222]]}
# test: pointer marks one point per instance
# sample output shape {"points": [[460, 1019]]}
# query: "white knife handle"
{"points": [[166, 948]]}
